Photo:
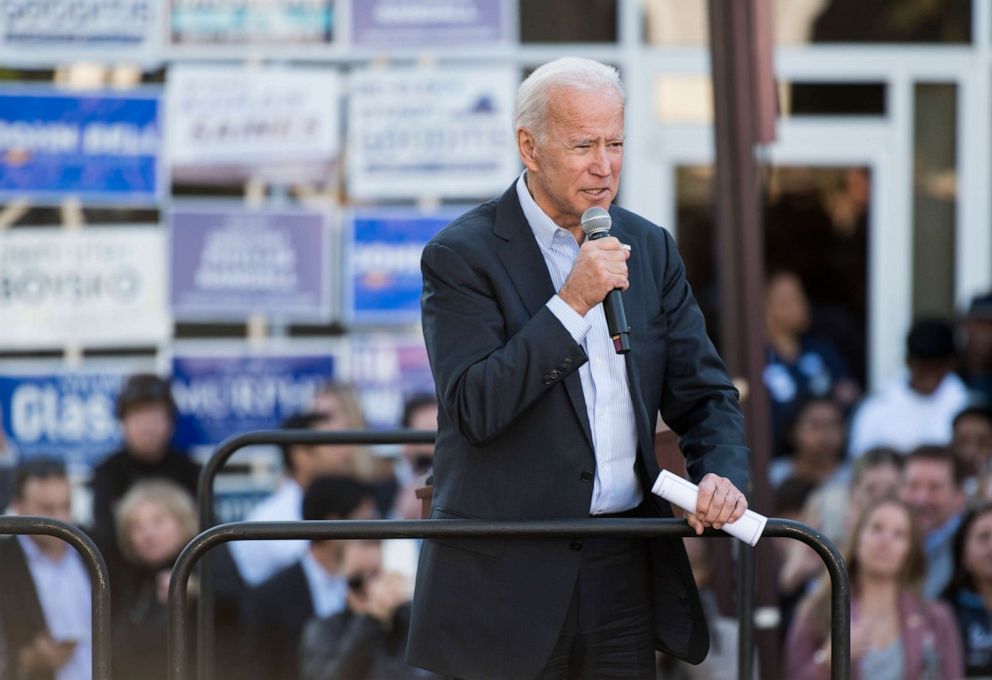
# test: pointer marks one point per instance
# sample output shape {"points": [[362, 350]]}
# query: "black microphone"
{"points": [[596, 223]]}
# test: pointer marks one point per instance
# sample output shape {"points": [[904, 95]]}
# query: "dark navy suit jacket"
{"points": [[514, 440]]}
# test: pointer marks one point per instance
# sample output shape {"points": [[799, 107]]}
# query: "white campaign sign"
{"points": [[98, 286], [431, 132], [248, 116]]}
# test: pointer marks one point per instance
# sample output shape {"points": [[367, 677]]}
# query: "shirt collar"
{"points": [[941, 533], [544, 227], [316, 574], [34, 554]]}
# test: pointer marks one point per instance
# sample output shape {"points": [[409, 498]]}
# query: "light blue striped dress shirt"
{"points": [[604, 377]]}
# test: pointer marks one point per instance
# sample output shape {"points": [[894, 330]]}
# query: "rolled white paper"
{"points": [[683, 493]]}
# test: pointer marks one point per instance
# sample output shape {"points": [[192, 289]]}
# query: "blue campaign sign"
{"points": [[69, 416], [220, 396], [102, 147], [382, 257]]}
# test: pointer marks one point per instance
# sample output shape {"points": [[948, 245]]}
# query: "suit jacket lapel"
{"points": [[517, 249], [634, 309]]}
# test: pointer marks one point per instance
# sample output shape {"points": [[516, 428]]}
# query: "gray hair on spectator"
{"points": [[577, 73]]}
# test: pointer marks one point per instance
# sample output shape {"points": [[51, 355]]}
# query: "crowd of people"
{"points": [[901, 478], [285, 609]]}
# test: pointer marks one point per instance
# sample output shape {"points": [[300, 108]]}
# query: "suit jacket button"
{"points": [[547, 379], [555, 374], [586, 476], [576, 545], [566, 363]]}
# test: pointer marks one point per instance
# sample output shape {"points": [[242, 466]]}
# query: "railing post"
{"points": [[95, 564], [388, 529], [205, 498]]}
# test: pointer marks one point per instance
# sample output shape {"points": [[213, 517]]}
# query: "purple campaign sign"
{"points": [[417, 23], [228, 264], [219, 396]]}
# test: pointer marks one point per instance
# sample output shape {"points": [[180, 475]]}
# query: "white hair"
{"points": [[577, 73]]}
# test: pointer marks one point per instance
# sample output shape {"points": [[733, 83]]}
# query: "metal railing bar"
{"points": [[387, 529], [205, 497]]}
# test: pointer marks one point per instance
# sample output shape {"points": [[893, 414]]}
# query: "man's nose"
{"points": [[601, 162]]}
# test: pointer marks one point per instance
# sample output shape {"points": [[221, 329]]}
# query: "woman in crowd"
{"points": [[895, 633], [155, 519], [970, 590]]}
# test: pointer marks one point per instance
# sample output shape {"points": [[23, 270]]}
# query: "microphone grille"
{"points": [[595, 220]]}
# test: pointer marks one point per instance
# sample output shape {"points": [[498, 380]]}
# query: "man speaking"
{"points": [[544, 416]]}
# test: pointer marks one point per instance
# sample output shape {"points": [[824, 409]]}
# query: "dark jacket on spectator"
{"points": [[349, 646], [119, 472], [21, 615], [975, 624], [275, 614]]}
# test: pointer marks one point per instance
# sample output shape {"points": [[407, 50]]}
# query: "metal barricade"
{"points": [[97, 566], [205, 496], [840, 602]]}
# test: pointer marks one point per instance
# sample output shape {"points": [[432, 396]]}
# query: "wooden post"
{"points": [[743, 98]]}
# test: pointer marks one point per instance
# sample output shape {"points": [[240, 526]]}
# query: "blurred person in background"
{"points": [[155, 519], [875, 475], [723, 630], [970, 591], [918, 409], [367, 639], [419, 413], [972, 445], [44, 585], [147, 414], [8, 461], [800, 564], [895, 633], [932, 487], [302, 463], [817, 438], [799, 365], [976, 358], [276, 611]]}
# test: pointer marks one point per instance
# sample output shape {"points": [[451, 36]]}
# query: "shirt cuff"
{"points": [[574, 323]]}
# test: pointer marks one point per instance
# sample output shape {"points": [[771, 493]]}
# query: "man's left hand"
{"points": [[719, 502]]}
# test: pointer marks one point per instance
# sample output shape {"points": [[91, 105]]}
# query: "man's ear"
{"points": [[527, 145]]}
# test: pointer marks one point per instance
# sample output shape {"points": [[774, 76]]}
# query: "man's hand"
{"points": [[719, 502], [45, 655], [600, 267]]}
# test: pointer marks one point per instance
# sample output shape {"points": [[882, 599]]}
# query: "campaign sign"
{"points": [[97, 286], [250, 22], [445, 133], [382, 262], [429, 23], [220, 396], [387, 369], [228, 264], [97, 147], [229, 124], [40, 27], [68, 416]]}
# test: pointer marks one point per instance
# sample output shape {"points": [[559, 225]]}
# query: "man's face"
{"points": [[575, 165], [972, 442], [46, 497], [147, 430], [925, 375], [786, 304], [928, 486]]}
